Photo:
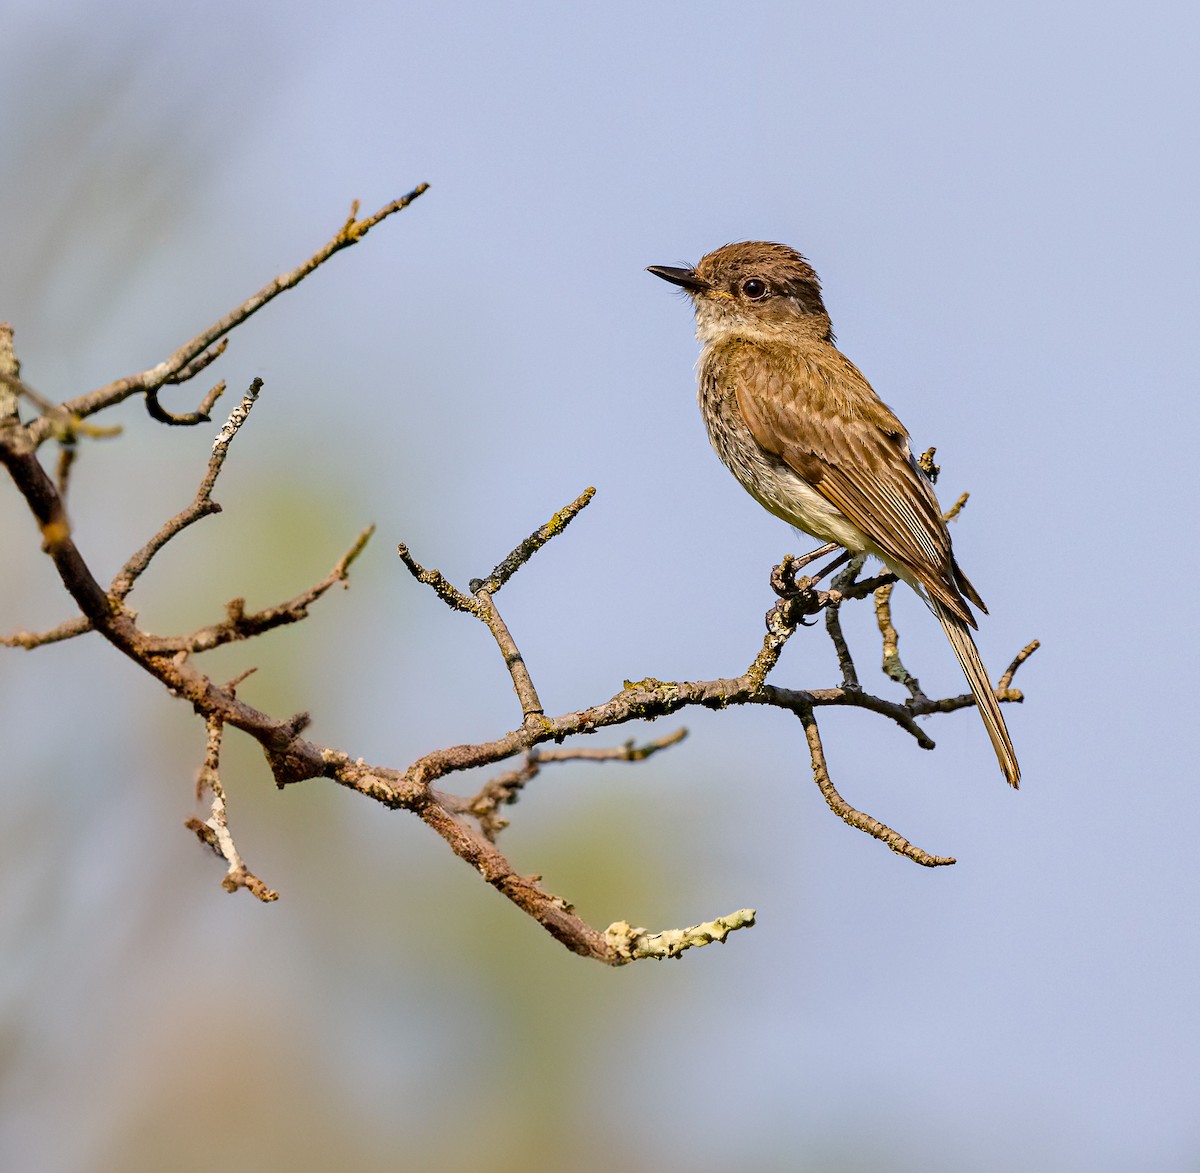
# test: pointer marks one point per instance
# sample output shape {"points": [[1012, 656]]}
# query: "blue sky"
{"points": [[1000, 202]]}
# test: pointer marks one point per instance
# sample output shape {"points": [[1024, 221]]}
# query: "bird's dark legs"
{"points": [[786, 586], [840, 560], [804, 559]]}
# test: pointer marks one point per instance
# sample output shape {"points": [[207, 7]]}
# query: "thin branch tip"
{"points": [[193, 356], [525, 550], [1005, 681]]}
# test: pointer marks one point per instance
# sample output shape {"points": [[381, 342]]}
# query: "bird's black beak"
{"points": [[686, 278]]}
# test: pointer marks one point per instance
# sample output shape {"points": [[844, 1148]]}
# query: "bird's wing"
{"points": [[816, 412]]}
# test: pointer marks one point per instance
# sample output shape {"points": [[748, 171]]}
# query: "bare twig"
{"points": [[1004, 685], [856, 818], [629, 751], [531, 706], [867, 586], [242, 624], [790, 565], [202, 504], [66, 459], [31, 639], [893, 666], [187, 419], [199, 363], [833, 624], [189, 357], [504, 789]]}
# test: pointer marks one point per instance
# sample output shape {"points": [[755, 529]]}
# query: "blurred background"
{"points": [[1001, 201]]}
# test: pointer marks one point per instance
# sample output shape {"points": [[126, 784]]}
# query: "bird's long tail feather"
{"points": [[959, 635]]}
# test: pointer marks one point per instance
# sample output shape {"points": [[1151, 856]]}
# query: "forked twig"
{"points": [[215, 831], [505, 789]]}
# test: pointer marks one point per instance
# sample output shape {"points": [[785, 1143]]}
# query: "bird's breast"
{"points": [[766, 477]]}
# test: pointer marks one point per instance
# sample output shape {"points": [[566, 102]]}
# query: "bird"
{"points": [[800, 427]]}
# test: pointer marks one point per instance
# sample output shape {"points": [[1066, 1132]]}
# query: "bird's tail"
{"points": [[959, 635]]}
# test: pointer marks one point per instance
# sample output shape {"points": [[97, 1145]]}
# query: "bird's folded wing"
{"points": [[824, 420]]}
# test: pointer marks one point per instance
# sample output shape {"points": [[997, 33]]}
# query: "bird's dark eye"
{"points": [[755, 288]]}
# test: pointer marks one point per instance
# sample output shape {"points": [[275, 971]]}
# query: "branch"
{"points": [[856, 818], [505, 789], [68, 629], [893, 666], [190, 358], [201, 415], [531, 545], [469, 825], [833, 624], [202, 504], [1004, 685], [215, 832], [242, 624], [293, 759], [635, 944]]}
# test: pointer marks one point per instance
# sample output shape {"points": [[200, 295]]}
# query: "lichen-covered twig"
{"points": [[511, 563], [215, 830], [952, 513], [438, 583], [634, 944], [10, 379]]}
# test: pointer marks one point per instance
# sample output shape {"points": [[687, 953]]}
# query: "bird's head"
{"points": [[755, 289]]}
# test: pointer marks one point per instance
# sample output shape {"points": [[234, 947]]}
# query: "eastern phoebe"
{"points": [[795, 421]]}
